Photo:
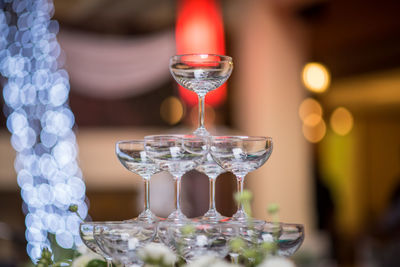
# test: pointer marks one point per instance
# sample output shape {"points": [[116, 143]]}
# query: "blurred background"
{"points": [[321, 77]]}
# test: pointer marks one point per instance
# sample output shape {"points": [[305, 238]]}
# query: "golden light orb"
{"points": [[316, 77], [310, 107], [312, 120], [341, 121], [316, 133], [172, 110]]}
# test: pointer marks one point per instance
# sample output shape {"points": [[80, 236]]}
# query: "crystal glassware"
{"points": [[122, 240], [240, 155], [290, 239], [133, 157], [86, 231], [210, 168], [286, 237], [201, 73], [176, 154], [193, 239]]}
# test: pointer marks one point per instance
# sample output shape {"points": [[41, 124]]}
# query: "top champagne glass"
{"points": [[201, 73]]}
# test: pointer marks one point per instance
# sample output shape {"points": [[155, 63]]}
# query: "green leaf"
{"points": [[188, 230], [96, 263], [273, 208], [237, 244], [245, 197], [73, 208]]}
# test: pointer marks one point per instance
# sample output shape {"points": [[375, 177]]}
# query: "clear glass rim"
{"points": [[175, 136], [283, 224], [241, 137], [223, 58], [100, 222], [133, 141], [119, 145], [121, 223], [296, 225], [163, 136]]}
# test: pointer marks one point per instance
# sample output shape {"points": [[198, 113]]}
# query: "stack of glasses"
{"points": [[178, 154]]}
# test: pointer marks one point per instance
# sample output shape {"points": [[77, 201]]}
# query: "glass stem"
{"points": [[146, 194], [240, 184], [212, 194], [177, 193], [109, 263], [201, 111]]}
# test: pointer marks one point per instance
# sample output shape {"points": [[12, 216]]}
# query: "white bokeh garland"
{"points": [[36, 92]]}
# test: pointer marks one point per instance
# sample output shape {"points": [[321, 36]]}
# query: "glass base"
{"points": [[211, 216], [177, 216], [240, 216], [147, 216], [201, 131]]}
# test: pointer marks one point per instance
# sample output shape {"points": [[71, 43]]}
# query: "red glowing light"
{"points": [[199, 29]]}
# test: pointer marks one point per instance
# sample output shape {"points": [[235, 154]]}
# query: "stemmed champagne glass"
{"points": [[240, 155], [122, 240], [134, 158], [210, 168], [176, 154], [201, 73], [86, 231]]}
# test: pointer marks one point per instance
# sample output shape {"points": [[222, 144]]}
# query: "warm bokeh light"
{"points": [[341, 121], [314, 134], [316, 77], [312, 120], [200, 29], [309, 107], [171, 110]]}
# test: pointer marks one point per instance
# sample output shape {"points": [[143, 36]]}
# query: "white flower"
{"points": [[277, 262], [201, 240], [209, 261], [157, 252]]}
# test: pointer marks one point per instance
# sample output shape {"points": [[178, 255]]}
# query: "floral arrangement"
{"points": [[155, 254]]}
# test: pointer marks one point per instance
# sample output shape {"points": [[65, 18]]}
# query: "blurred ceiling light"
{"points": [[314, 134], [308, 107], [171, 110], [341, 121], [316, 77], [200, 29]]}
